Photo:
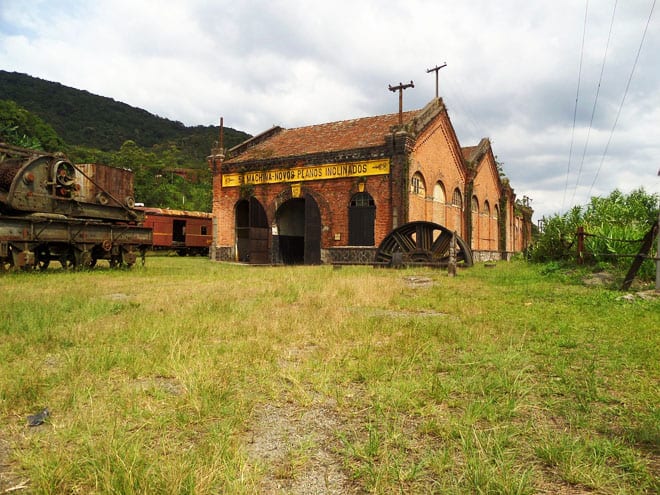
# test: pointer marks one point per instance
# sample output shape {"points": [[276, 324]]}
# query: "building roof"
{"points": [[472, 154], [173, 213], [352, 134], [468, 151]]}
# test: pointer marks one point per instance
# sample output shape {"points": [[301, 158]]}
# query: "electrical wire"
{"points": [[593, 109], [625, 93], [577, 95]]}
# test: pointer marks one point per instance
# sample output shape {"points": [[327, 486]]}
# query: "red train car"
{"points": [[186, 232]]}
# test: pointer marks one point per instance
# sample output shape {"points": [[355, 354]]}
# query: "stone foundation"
{"points": [[222, 253], [359, 255]]}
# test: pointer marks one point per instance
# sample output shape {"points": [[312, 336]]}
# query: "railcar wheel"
{"points": [[68, 260], [83, 259], [422, 242], [42, 257], [6, 264], [116, 260]]}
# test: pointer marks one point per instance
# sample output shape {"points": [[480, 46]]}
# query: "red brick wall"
{"points": [[435, 155], [486, 188], [437, 158], [332, 196]]}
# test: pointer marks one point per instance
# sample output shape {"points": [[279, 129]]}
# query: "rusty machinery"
{"points": [[423, 243], [52, 209]]}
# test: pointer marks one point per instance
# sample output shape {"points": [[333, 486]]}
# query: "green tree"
{"points": [[22, 128]]}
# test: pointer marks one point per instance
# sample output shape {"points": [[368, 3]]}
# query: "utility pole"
{"points": [[657, 254], [215, 163], [436, 69], [400, 89]]}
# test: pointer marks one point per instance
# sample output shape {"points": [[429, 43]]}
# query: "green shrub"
{"points": [[614, 228]]}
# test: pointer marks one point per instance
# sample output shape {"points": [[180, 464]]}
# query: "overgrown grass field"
{"points": [[191, 377]]}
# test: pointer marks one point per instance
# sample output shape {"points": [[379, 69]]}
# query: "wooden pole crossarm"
{"points": [[400, 89], [436, 69]]}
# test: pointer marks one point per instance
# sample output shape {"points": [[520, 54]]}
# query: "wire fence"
{"points": [[645, 244], [643, 254]]}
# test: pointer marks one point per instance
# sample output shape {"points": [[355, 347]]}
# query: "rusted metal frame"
{"points": [[123, 233], [73, 236], [130, 212], [45, 221]]}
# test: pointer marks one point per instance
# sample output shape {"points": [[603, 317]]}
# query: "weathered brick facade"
{"points": [[333, 192]]}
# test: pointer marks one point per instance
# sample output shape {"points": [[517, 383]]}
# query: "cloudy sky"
{"points": [[561, 87]]}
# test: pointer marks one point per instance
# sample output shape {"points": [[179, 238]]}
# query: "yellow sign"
{"points": [[316, 172]]}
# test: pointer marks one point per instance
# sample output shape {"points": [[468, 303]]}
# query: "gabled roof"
{"points": [[468, 152], [367, 132], [475, 159], [473, 154]]}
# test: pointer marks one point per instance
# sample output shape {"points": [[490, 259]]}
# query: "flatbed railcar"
{"points": [[76, 214], [188, 233]]}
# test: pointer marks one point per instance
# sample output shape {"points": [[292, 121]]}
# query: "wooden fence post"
{"points": [[657, 254], [451, 267], [580, 245], [647, 242]]}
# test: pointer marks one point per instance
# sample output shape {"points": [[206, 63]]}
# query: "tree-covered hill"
{"points": [[93, 129], [83, 119]]}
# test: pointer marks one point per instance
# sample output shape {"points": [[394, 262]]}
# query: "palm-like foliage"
{"points": [[615, 226]]}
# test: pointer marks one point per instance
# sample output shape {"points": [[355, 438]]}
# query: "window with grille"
{"points": [[457, 199], [417, 185]]}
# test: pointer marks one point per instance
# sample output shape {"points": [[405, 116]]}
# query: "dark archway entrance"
{"points": [[251, 232], [298, 231]]}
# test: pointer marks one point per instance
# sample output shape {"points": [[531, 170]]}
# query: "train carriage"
{"points": [[186, 232]]}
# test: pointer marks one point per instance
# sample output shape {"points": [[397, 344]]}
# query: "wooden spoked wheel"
{"points": [[422, 243]]}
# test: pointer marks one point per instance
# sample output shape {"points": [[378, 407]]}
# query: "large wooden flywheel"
{"points": [[422, 243]]}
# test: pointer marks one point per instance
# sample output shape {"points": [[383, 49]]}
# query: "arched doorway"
{"points": [[298, 239], [251, 232]]}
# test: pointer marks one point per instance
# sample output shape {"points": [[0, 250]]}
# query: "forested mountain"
{"points": [[93, 129], [83, 119]]}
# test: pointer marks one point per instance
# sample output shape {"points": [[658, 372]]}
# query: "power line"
{"points": [[465, 110], [593, 110], [577, 94], [625, 93]]}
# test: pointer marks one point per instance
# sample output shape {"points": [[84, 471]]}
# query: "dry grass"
{"points": [[187, 376]]}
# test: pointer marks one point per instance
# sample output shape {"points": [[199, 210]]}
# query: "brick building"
{"points": [[332, 192]]}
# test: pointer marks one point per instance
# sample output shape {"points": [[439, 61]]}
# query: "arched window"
{"points": [[362, 200], [361, 219], [439, 203], [475, 204], [474, 212], [457, 198], [486, 210], [439, 193], [417, 186]]}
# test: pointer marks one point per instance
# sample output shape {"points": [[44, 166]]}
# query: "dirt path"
{"points": [[296, 448]]}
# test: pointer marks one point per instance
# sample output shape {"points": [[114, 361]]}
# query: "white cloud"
{"points": [[511, 75]]}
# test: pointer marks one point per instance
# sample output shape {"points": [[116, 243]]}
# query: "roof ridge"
{"points": [[369, 117]]}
